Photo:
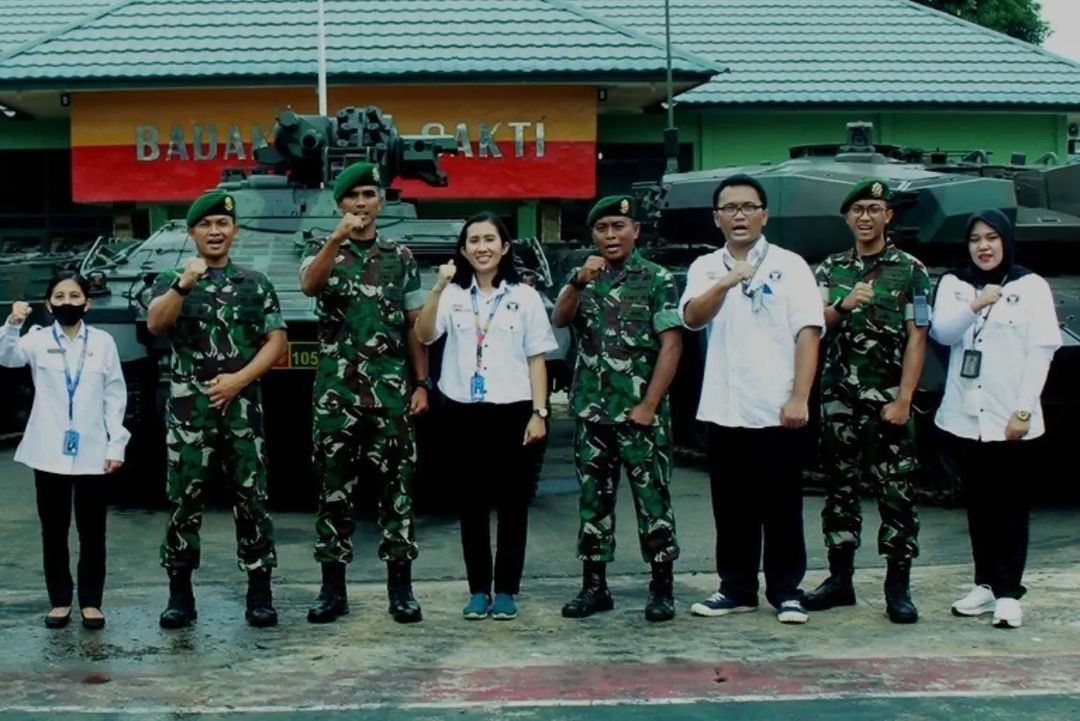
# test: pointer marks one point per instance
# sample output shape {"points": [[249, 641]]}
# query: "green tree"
{"points": [[1020, 19]]}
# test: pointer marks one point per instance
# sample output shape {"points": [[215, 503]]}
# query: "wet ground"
{"points": [[844, 664]]}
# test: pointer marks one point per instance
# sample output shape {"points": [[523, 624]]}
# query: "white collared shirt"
{"points": [[750, 362], [100, 399], [1017, 337], [519, 330]]}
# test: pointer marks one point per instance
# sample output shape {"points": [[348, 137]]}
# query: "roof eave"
{"points": [[880, 104]]}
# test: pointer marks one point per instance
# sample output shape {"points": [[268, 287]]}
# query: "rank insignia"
{"points": [[229, 203], [624, 206], [375, 175], [877, 189]]}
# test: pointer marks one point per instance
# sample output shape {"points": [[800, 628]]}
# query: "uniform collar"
{"points": [[889, 255], [59, 332], [755, 251], [230, 271], [501, 288]]}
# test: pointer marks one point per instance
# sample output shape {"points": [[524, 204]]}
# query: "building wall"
{"points": [[43, 134]]}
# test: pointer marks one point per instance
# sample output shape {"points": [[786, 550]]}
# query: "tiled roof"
{"points": [[157, 40], [24, 21], [851, 51]]}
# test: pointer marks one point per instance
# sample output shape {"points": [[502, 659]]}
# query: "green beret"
{"points": [[214, 203], [868, 189], [611, 205], [356, 174]]}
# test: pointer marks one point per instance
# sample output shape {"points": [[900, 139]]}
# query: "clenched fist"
{"points": [[739, 272], [861, 294], [194, 269], [446, 274], [19, 312], [349, 224], [990, 294], [594, 266]]}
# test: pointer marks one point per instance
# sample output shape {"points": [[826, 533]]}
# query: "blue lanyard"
{"points": [[72, 383], [482, 331]]}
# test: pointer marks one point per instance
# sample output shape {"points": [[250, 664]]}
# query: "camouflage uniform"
{"points": [[362, 394], [617, 328], [222, 325], [861, 374]]}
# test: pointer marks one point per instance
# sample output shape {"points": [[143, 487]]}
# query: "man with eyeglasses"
{"points": [[763, 318], [877, 312]]}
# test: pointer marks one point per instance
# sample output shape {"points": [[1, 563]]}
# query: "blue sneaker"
{"points": [[720, 605], [792, 612], [477, 607], [504, 608]]}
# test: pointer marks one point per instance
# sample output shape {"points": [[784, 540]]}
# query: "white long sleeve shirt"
{"points": [[100, 399], [1017, 337]]}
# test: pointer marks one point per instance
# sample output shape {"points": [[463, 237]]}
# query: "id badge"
{"points": [[758, 300], [477, 388], [71, 443], [972, 364], [922, 311]]}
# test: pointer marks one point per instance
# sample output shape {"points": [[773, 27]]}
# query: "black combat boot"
{"points": [[403, 607], [333, 600], [898, 604], [594, 596], [260, 601], [837, 589], [180, 611], [661, 605]]}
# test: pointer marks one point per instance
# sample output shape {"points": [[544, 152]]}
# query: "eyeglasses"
{"points": [[731, 210], [874, 211]]}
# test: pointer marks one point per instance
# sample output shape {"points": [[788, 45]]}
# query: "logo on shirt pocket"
{"points": [[776, 275], [1012, 299]]}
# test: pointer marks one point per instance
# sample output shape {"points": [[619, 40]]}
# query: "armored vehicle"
{"points": [[936, 191], [282, 204]]}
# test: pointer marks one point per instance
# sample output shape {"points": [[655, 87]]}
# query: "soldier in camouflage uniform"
{"points": [[368, 296], [623, 310], [877, 312], [226, 331]]}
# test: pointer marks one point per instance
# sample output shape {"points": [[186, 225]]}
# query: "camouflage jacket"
{"points": [[363, 353], [617, 330], [865, 354], [222, 325]]}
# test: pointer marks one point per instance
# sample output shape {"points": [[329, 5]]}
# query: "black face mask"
{"points": [[68, 315]]}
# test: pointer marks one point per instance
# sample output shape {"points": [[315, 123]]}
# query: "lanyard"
{"points": [[72, 383], [482, 331], [757, 265]]}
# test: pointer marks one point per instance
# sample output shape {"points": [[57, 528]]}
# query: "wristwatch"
{"points": [[838, 306], [425, 383], [1023, 416], [578, 284], [179, 288], [542, 412]]}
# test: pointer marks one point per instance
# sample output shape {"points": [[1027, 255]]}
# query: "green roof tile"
{"points": [[24, 21], [850, 52], [162, 40]]}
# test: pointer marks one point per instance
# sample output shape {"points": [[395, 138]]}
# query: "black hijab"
{"points": [[1007, 270]]}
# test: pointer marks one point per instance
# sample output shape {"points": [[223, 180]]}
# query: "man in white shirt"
{"points": [[763, 317]]}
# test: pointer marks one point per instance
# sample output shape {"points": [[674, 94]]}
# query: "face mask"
{"points": [[68, 315]]}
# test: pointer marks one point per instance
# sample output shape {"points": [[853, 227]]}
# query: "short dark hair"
{"points": [[63, 275], [740, 179], [463, 276]]}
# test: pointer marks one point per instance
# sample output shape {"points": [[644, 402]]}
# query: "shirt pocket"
{"points": [[508, 324], [1006, 320]]}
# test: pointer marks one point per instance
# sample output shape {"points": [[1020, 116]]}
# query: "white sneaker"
{"points": [[1007, 613], [979, 600]]}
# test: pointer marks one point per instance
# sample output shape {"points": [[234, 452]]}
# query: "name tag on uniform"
{"points": [[71, 443], [971, 364]]}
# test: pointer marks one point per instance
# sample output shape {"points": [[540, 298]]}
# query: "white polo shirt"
{"points": [[750, 362], [1017, 337], [519, 330], [100, 399]]}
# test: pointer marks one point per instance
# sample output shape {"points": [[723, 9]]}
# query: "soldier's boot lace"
{"points": [[260, 611], [594, 596], [180, 611], [898, 604], [661, 605], [333, 599], [403, 607], [837, 589]]}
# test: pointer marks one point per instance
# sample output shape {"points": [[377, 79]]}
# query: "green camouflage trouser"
{"points": [[857, 445], [600, 449], [198, 448], [350, 441]]}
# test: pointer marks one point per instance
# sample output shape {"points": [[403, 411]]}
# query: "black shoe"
{"points": [[333, 601], [403, 607], [180, 612], [57, 621], [661, 605], [92, 623], [837, 589], [594, 596], [260, 611], [898, 604]]}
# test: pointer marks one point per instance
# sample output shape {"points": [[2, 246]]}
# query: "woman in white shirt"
{"points": [[999, 322], [74, 436], [495, 384]]}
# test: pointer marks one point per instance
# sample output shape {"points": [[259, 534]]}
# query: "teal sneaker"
{"points": [[477, 607], [504, 608]]}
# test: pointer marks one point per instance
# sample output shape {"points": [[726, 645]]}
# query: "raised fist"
{"points": [[990, 294], [446, 274], [739, 272], [19, 312], [594, 266], [350, 223], [861, 294], [194, 269]]}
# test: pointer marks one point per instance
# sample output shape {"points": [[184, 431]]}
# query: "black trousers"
{"points": [[756, 483], [991, 474], [54, 503], [492, 471]]}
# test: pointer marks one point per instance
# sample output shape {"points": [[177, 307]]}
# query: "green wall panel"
{"points": [[41, 134]]}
